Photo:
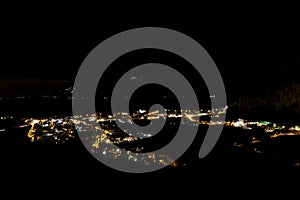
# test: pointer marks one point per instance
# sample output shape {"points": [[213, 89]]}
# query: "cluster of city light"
{"points": [[268, 131], [187, 116], [107, 134], [106, 139], [269, 127], [57, 130]]}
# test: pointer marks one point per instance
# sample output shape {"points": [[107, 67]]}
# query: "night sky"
{"points": [[254, 57]]}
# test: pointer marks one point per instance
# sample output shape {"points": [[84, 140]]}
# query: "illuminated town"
{"points": [[46, 146], [62, 130]]}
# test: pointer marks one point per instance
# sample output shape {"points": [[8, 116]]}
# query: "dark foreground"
{"points": [[274, 159]]}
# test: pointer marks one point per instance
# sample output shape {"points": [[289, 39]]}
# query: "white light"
{"points": [[142, 111]]}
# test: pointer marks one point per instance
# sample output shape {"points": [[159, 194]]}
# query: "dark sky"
{"points": [[253, 57]]}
